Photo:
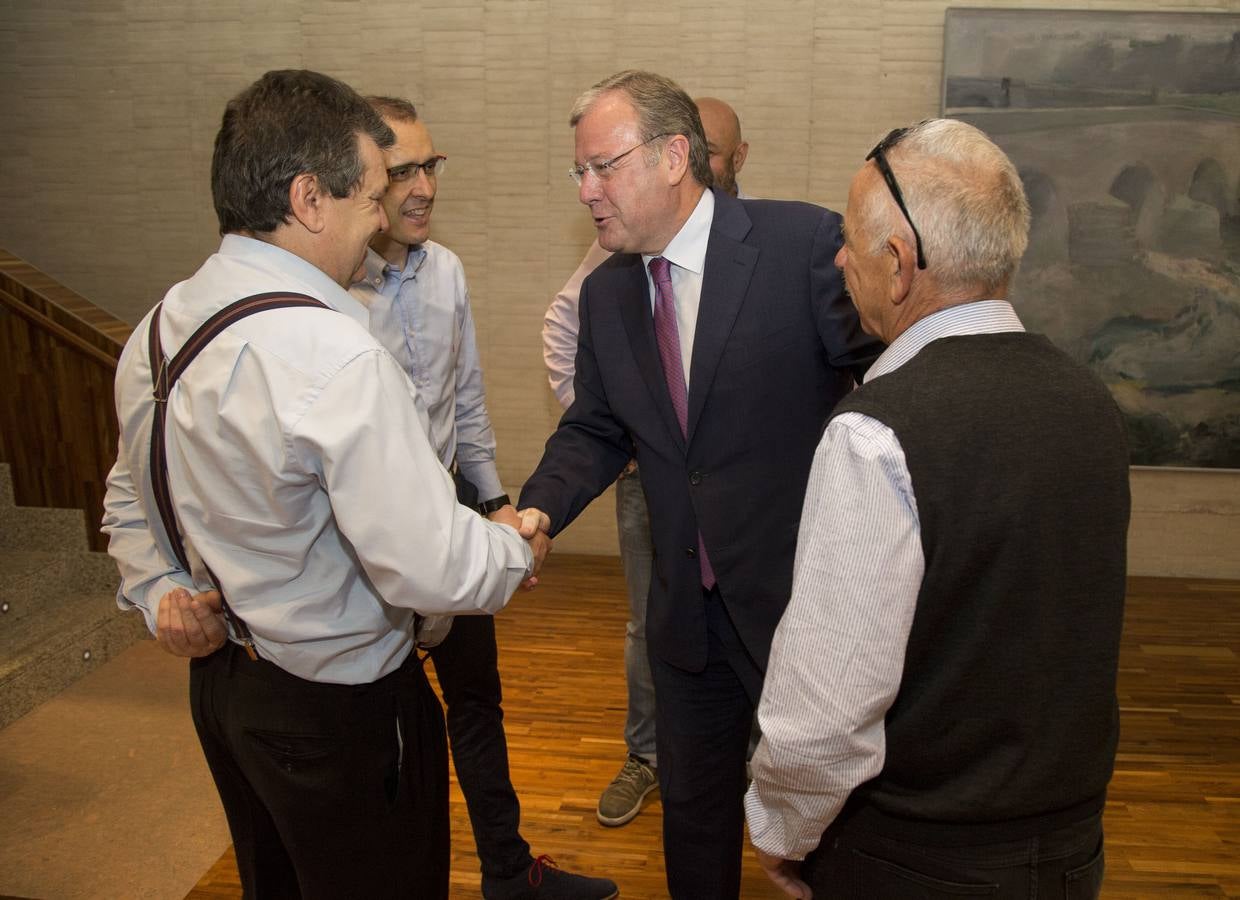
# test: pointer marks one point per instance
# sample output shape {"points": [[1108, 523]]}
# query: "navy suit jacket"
{"points": [[777, 344]]}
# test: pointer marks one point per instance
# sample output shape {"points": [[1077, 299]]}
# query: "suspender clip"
{"points": [[161, 382]]}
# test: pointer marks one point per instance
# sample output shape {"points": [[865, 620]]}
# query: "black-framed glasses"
{"points": [[605, 169], [409, 171], [879, 155]]}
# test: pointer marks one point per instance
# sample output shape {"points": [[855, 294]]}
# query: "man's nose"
{"points": [[423, 183], [590, 188]]}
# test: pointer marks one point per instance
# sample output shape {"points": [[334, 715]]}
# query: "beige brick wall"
{"points": [[109, 108]]}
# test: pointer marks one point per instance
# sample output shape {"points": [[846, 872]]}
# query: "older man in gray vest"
{"points": [[940, 703]]}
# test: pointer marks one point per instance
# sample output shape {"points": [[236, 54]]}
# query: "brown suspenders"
{"points": [[164, 374]]}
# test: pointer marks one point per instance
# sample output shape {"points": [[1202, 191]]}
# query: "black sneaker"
{"points": [[542, 881]]}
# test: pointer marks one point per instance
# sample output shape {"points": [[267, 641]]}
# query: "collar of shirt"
{"points": [[688, 248], [268, 256], [376, 268], [979, 317]]}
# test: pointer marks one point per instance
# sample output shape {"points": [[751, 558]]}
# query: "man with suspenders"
{"points": [[303, 485]]}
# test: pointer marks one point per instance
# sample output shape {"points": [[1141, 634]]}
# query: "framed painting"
{"points": [[1125, 127]]}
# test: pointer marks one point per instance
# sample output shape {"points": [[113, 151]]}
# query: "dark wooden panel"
{"points": [[58, 357]]}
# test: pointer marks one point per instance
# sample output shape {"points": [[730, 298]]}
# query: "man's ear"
{"points": [[677, 151], [903, 261], [739, 156], [306, 201]]}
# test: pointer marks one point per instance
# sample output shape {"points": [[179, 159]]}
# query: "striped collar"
{"points": [[978, 317]]}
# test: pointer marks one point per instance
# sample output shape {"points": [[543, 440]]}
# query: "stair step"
{"points": [[42, 528], [52, 620], [58, 614], [45, 648], [33, 575]]}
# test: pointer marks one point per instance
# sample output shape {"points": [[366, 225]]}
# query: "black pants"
{"points": [[702, 721], [330, 790], [1066, 864], [467, 665]]}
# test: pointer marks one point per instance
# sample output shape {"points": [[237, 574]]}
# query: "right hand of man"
{"points": [[540, 546], [191, 626], [533, 520], [534, 527]]}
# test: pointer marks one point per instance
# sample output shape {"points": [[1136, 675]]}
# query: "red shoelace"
{"points": [[536, 869]]}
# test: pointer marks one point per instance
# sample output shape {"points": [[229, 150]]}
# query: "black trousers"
{"points": [[703, 720], [330, 790], [1065, 864], [467, 664]]}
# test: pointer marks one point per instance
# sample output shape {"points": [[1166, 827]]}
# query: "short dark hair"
{"points": [[662, 108], [396, 109], [288, 123]]}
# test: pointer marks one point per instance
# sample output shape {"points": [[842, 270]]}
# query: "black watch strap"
{"points": [[487, 507]]}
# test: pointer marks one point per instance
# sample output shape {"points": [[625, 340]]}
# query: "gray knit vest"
{"points": [[1006, 721]]}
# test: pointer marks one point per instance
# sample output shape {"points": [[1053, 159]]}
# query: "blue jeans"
{"points": [[633, 523]]}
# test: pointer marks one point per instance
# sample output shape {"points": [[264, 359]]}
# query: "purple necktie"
{"points": [[667, 334]]}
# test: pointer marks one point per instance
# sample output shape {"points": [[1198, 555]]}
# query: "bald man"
{"points": [[622, 800], [723, 139]]}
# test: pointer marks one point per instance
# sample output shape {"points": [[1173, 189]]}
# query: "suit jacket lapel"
{"points": [[725, 281], [639, 323]]}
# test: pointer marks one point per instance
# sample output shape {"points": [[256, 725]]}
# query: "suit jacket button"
{"points": [[695, 478], [690, 552]]}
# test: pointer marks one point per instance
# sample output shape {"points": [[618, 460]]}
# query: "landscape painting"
{"points": [[1125, 128]]}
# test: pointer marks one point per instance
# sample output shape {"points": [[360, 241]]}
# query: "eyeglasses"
{"points": [[878, 154], [409, 171], [605, 169]]}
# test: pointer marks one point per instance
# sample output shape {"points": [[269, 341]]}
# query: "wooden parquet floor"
{"points": [[1172, 819]]}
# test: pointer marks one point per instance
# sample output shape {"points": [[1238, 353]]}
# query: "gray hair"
{"points": [[662, 108], [965, 197]]}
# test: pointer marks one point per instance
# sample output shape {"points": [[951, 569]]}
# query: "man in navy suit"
{"points": [[713, 345]]}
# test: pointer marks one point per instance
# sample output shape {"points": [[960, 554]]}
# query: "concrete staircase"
{"points": [[58, 615]]}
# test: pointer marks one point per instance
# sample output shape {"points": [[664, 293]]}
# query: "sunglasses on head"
{"points": [[879, 155]]}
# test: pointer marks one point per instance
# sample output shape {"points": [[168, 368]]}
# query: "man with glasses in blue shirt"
{"points": [[419, 310]]}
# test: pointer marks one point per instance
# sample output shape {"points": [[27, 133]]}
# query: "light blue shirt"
{"points": [[420, 313], [838, 653], [301, 474]]}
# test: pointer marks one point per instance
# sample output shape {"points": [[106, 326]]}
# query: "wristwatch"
{"points": [[489, 506]]}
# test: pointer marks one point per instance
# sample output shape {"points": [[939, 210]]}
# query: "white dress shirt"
{"points": [[838, 653], [420, 314], [301, 474]]}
